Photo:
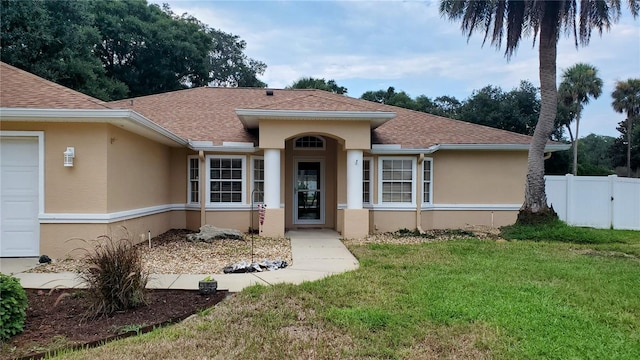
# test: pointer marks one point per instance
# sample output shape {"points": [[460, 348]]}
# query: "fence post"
{"points": [[612, 184], [569, 194]]}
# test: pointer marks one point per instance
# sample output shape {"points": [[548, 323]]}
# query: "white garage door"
{"points": [[20, 230]]}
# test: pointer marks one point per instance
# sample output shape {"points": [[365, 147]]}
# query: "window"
{"points": [[194, 180], [226, 179], [397, 176], [366, 181], [309, 143], [427, 166], [258, 180]]}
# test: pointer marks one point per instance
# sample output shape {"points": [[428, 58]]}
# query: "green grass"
{"points": [[456, 299], [560, 231]]}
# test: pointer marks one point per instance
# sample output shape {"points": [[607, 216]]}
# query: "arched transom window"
{"points": [[309, 142]]}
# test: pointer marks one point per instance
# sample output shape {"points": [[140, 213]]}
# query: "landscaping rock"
{"points": [[209, 233]]}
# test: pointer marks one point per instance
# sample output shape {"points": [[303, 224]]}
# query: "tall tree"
{"points": [[626, 98], [321, 84], [579, 83], [55, 40], [544, 20]]}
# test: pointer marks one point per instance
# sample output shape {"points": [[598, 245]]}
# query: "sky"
{"points": [[372, 45]]}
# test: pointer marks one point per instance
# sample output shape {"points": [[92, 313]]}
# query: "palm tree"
{"points": [[626, 98], [579, 82], [544, 20]]}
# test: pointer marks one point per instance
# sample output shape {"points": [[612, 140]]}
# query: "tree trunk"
{"points": [[575, 142], [535, 208]]}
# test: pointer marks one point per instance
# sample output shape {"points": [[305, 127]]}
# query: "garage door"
{"points": [[20, 230]]}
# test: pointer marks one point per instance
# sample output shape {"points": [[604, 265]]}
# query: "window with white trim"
{"points": [[193, 192], [427, 180], [258, 180], [366, 180], [226, 179], [309, 143], [397, 180]]}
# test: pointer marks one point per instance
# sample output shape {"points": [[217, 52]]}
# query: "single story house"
{"points": [[76, 167]]}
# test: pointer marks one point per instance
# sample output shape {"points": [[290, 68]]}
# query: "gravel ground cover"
{"points": [[171, 253]]}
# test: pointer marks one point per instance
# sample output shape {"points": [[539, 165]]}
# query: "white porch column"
{"points": [[354, 179], [272, 178]]}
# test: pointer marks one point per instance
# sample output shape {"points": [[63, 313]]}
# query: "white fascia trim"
{"points": [[501, 147], [442, 207], [108, 218], [89, 115], [250, 117], [471, 207], [508, 147], [225, 149]]}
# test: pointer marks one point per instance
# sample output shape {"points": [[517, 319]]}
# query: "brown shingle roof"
{"points": [[209, 114], [20, 89]]}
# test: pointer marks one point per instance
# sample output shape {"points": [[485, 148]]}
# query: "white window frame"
{"points": [[244, 181], [296, 147], [189, 180], [368, 201], [253, 179], [380, 181], [427, 184]]}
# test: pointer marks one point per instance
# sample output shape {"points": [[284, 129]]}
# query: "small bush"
{"points": [[13, 303], [115, 278]]}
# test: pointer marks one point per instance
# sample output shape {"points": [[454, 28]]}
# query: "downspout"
{"points": [[419, 195], [203, 187]]}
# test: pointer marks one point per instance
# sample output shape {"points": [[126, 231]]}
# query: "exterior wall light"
{"points": [[69, 155]]}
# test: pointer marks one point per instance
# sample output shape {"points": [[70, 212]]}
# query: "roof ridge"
{"points": [[54, 84]]}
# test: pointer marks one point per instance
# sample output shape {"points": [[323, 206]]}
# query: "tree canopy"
{"points": [[626, 99], [115, 49], [321, 84], [579, 83]]}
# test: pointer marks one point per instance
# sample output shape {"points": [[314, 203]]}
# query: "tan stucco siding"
{"points": [[353, 134], [479, 177], [178, 175], [83, 187], [460, 219], [60, 241], [230, 219], [385, 221], [138, 171]]}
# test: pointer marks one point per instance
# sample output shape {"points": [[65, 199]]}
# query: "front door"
{"points": [[308, 192]]}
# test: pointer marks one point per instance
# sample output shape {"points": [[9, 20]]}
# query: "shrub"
{"points": [[13, 303], [115, 277]]}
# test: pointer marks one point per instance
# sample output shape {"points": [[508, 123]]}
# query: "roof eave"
{"points": [[250, 117], [493, 147], [137, 123]]}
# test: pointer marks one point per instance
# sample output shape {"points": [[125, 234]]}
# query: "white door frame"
{"points": [[39, 135], [321, 190]]}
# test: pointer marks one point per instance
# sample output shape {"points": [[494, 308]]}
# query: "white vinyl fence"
{"points": [[595, 201]]}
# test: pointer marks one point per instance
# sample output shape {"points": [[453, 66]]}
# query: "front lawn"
{"points": [[454, 299]]}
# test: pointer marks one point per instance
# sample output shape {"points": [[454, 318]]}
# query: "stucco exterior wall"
{"points": [[385, 221], [479, 177], [354, 134], [239, 219], [459, 219], [139, 171], [61, 241], [83, 187]]}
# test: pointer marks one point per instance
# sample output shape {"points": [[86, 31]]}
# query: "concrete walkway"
{"points": [[316, 254]]}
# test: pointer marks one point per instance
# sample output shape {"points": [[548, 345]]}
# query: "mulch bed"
{"points": [[54, 321]]}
